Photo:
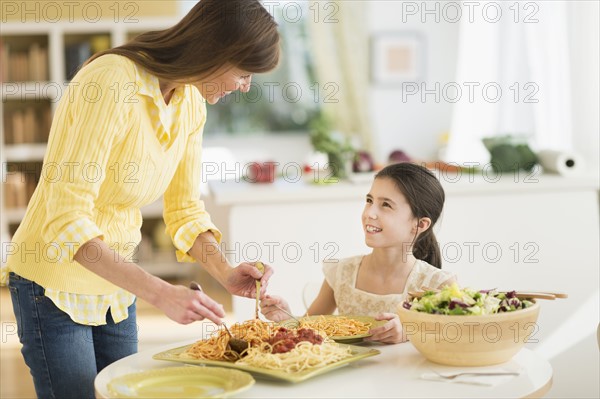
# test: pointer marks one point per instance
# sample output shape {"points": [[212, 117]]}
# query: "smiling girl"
{"points": [[403, 205]]}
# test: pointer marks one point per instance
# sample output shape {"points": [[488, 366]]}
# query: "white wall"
{"points": [[584, 34], [411, 124], [282, 148]]}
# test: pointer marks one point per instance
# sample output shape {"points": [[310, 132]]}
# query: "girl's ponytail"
{"points": [[427, 248]]}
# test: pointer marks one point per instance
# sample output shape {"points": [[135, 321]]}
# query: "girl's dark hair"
{"points": [[425, 196], [213, 34]]}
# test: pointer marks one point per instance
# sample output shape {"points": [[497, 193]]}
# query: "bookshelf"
{"points": [[38, 60]]}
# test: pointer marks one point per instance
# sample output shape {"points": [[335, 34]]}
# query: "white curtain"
{"points": [[515, 79], [340, 47]]}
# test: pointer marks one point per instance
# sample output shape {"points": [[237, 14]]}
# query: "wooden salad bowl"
{"points": [[469, 340]]}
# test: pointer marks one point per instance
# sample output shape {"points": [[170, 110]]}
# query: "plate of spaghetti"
{"points": [[343, 329], [275, 352]]}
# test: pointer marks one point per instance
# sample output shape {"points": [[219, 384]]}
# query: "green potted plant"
{"points": [[339, 151]]}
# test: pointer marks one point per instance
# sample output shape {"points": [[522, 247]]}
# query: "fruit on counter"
{"points": [[398, 156], [363, 162], [261, 172]]}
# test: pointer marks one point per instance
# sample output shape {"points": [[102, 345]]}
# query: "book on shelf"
{"points": [[75, 56], [78, 53], [25, 65], [4, 62], [15, 191], [30, 125], [18, 67], [38, 63], [46, 124], [27, 125], [7, 126], [30, 187], [18, 127]]}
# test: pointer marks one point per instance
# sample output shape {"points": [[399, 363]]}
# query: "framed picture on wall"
{"points": [[397, 57]]}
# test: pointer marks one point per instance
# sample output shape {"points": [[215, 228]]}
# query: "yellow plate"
{"points": [[346, 339], [357, 354], [181, 382]]}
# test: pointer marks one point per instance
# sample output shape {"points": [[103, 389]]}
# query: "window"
{"points": [[282, 101]]}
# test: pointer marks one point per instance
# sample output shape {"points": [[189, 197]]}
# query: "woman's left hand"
{"points": [[391, 332], [241, 280]]}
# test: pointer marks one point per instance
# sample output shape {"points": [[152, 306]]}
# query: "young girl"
{"points": [[401, 209]]}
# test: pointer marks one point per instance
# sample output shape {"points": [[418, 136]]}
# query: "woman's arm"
{"points": [[240, 280], [179, 303]]}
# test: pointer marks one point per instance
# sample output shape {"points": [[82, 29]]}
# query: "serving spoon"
{"points": [[237, 345]]}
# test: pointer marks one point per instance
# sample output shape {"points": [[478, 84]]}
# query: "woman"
{"points": [[128, 130]]}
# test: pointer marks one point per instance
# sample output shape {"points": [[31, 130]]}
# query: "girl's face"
{"points": [[387, 218], [224, 82]]}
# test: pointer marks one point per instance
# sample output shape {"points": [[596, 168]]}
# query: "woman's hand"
{"points": [[241, 280], [185, 306], [268, 308], [391, 332]]}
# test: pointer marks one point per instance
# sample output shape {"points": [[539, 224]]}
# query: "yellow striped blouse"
{"points": [[114, 147]]}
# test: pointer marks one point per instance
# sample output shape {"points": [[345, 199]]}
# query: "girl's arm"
{"points": [[391, 332], [324, 303]]}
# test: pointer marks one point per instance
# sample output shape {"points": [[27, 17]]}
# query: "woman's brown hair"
{"points": [[213, 34], [426, 197]]}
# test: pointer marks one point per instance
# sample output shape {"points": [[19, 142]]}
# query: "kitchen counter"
{"points": [[290, 189]]}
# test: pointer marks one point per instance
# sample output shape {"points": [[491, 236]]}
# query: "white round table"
{"points": [[395, 373]]}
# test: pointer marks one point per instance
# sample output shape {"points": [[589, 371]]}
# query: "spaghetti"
{"points": [[254, 331], [214, 348], [338, 326], [304, 356], [271, 347], [217, 347]]}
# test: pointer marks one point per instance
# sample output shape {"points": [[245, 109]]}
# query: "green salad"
{"points": [[453, 300]]}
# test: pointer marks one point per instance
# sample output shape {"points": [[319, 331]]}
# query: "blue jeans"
{"points": [[64, 357]]}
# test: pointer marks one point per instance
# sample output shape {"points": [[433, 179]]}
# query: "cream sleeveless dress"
{"points": [[341, 276]]}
